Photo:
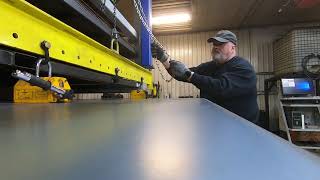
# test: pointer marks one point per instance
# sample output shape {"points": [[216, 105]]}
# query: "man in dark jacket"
{"points": [[228, 80]]}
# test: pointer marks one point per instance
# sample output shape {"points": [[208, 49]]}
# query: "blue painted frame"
{"points": [[146, 59]]}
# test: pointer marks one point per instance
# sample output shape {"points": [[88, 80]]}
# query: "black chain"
{"points": [[115, 33], [139, 10], [103, 5], [161, 73]]}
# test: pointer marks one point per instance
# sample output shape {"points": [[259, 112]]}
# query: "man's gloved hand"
{"points": [[159, 53], [179, 71]]}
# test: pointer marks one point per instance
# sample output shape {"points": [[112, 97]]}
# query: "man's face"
{"points": [[222, 51]]}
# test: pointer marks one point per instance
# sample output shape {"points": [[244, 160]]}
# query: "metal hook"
{"points": [[38, 67]]}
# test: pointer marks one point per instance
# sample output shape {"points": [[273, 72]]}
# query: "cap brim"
{"points": [[217, 39]]}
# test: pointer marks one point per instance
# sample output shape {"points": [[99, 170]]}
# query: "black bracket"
{"points": [[45, 45], [141, 85], [116, 77]]}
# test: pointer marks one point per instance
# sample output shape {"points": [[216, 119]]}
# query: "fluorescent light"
{"points": [[171, 19]]}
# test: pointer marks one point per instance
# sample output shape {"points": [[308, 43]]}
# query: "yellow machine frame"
{"points": [[25, 27]]}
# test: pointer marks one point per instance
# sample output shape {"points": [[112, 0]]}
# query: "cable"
{"points": [[306, 63]]}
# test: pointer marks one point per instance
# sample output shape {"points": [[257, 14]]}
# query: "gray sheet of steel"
{"points": [[151, 139]]}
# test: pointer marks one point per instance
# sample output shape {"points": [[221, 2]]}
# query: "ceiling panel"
{"points": [[229, 14], [208, 15], [170, 7], [234, 14], [268, 13]]}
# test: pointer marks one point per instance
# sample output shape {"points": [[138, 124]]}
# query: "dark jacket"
{"points": [[231, 85]]}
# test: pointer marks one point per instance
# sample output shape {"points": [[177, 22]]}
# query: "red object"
{"points": [[306, 3]]}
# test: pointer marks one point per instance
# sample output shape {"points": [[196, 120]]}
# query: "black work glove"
{"points": [[179, 71], [159, 53]]}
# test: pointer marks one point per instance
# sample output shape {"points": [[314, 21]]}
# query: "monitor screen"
{"points": [[297, 87]]}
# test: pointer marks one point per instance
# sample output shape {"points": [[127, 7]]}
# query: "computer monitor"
{"points": [[297, 87]]}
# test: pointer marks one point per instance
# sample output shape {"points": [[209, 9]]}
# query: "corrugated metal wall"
{"points": [[95, 96], [193, 49], [86, 96]]}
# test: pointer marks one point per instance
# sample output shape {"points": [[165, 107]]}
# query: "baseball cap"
{"points": [[224, 36]]}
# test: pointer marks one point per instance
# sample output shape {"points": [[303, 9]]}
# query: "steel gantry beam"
{"points": [[107, 10], [25, 27], [90, 20]]}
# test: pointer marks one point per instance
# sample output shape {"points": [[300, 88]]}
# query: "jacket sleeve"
{"points": [[238, 81], [202, 68]]}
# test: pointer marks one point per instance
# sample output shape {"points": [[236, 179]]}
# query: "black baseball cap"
{"points": [[224, 36]]}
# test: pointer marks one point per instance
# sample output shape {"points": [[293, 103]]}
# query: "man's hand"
{"points": [[159, 53], [179, 71]]}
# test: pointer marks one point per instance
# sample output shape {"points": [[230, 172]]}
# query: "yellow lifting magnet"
{"points": [[35, 89], [138, 94]]}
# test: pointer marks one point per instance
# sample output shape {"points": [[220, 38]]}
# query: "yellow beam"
{"points": [[24, 27]]}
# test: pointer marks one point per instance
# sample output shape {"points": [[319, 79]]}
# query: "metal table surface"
{"points": [[151, 139]]}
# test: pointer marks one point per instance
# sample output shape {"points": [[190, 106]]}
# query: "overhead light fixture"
{"points": [[171, 19]]}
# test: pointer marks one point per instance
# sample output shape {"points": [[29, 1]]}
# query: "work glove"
{"points": [[159, 53], [179, 71]]}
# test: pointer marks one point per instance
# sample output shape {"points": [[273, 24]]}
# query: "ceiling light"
{"points": [[171, 19]]}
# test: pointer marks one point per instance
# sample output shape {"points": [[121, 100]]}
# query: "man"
{"points": [[228, 80]]}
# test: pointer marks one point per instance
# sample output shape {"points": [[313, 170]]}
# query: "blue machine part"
{"points": [[145, 37]]}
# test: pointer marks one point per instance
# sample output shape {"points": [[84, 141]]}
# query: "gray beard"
{"points": [[219, 58]]}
